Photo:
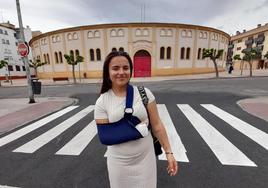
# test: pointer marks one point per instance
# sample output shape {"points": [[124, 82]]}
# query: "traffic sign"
{"points": [[23, 49]]}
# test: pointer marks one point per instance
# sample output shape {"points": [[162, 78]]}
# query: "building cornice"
{"points": [[250, 32], [126, 25]]}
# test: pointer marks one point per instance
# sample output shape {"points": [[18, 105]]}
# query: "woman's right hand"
{"points": [[172, 167]]}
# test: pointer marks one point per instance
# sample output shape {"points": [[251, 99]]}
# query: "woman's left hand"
{"points": [[172, 167]]}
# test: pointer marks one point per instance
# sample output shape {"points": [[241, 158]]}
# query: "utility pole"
{"points": [[25, 59]]}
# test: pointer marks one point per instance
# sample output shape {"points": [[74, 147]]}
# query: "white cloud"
{"points": [[49, 15]]}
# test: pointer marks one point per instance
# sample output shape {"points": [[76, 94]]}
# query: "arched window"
{"points": [[201, 34], [45, 58], [145, 32], [216, 37], [189, 33], [168, 52], [182, 52], [70, 36], [113, 33], [199, 53], [120, 32], [90, 34], [53, 39], [58, 38], [75, 36], [91, 53], [121, 49], [169, 32], [98, 52], [114, 49], [97, 34], [205, 35], [183, 33], [48, 60], [56, 57], [60, 54], [162, 32], [72, 54], [77, 52], [138, 32], [188, 52], [162, 53]]}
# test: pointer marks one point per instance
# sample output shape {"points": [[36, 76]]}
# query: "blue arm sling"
{"points": [[123, 130]]}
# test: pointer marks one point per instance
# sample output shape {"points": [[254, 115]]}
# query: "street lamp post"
{"points": [[25, 59]]}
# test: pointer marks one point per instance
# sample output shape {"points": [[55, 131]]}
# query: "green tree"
{"points": [[237, 57], [71, 61], [211, 54], [3, 63], [35, 64], [250, 55], [266, 57]]}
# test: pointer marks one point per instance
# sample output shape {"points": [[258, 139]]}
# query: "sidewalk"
{"points": [[17, 112]]}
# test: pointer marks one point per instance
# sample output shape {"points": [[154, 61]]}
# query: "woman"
{"points": [[131, 164]]}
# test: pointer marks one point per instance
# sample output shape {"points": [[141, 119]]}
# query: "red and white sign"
{"points": [[23, 49]]}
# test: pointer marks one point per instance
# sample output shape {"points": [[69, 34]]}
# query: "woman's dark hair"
{"points": [[106, 81]]}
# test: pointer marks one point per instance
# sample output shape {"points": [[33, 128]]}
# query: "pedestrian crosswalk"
{"points": [[224, 150]]}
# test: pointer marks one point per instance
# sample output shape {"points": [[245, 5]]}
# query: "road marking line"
{"points": [[43, 139], [176, 144], [255, 134], [224, 150], [21, 132], [80, 141]]}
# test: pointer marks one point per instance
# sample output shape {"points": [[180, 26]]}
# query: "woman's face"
{"points": [[119, 70]]}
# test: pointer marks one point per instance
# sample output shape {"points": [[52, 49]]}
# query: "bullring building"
{"points": [[157, 49]]}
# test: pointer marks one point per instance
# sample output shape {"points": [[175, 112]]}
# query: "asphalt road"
{"points": [[218, 154]]}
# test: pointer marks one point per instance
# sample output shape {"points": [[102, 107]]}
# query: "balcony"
{"points": [[249, 42], [260, 39]]}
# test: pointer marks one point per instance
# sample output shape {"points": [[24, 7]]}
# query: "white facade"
{"points": [[9, 51], [132, 38]]}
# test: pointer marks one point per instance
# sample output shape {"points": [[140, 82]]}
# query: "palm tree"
{"points": [[35, 64], [210, 53], [3, 63], [250, 55], [237, 57], [71, 61], [266, 57]]}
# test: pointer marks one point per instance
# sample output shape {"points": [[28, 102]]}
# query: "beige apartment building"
{"points": [[257, 37], [157, 49]]}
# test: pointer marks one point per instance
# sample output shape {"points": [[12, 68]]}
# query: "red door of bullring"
{"points": [[142, 64]]}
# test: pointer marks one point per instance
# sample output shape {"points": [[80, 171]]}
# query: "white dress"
{"points": [[131, 164]]}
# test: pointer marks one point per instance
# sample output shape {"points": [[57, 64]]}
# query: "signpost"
{"points": [[24, 50]]}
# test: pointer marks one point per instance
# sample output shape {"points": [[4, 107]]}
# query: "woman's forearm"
{"points": [[161, 134]]}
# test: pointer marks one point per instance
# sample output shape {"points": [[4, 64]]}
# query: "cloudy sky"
{"points": [[49, 15]]}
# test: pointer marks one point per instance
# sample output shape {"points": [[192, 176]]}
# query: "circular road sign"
{"points": [[23, 49]]}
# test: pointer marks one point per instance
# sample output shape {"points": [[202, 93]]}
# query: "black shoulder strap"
{"points": [[143, 96]]}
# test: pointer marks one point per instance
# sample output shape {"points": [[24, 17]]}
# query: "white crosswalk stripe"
{"points": [[80, 141], [255, 134], [43, 139], [176, 144], [21, 132], [225, 151]]}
